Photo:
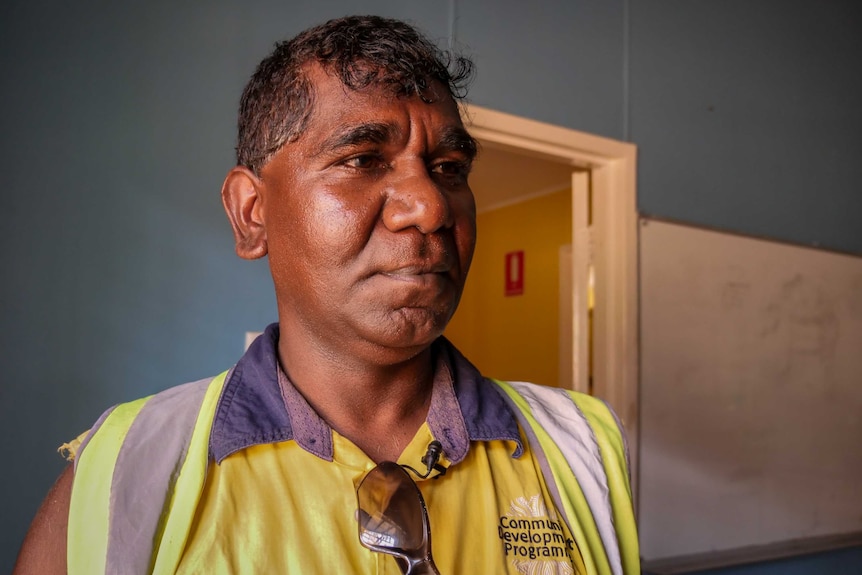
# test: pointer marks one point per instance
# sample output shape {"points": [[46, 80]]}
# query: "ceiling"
{"points": [[501, 177]]}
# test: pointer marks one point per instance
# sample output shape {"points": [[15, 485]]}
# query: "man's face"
{"points": [[370, 223]]}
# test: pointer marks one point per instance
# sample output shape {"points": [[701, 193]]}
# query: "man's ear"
{"points": [[243, 203]]}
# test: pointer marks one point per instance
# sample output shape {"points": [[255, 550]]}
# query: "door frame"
{"points": [[612, 244]]}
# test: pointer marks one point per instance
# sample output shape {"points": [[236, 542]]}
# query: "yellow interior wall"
{"points": [[515, 337]]}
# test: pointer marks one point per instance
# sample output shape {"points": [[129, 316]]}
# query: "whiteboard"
{"points": [[751, 392]]}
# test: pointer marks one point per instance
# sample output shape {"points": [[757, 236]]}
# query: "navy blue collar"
{"points": [[259, 405]]}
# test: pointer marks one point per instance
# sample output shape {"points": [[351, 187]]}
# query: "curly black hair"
{"points": [[360, 51]]}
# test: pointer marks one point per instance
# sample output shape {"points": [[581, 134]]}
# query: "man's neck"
{"points": [[377, 407]]}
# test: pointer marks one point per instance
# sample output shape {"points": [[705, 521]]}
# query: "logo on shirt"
{"points": [[534, 540]]}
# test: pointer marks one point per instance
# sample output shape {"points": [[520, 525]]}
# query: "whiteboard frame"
{"points": [[745, 554]]}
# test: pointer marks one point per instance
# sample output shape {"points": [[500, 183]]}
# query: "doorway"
{"points": [[602, 175], [515, 317]]}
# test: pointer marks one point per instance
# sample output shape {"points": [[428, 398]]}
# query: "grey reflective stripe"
{"points": [[555, 410], [537, 451], [145, 473]]}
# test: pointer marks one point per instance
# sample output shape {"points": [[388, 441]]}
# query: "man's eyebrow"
{"points": [[357, 135], [458, 139]]}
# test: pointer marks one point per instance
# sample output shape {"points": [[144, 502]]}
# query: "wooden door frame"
{"points": [[612, 247]]}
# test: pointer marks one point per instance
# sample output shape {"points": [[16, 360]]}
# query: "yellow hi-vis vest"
{"points": [[137, 485]]}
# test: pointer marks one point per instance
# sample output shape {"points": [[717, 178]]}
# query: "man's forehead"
{"points": [[451, 137], [343, 116]]}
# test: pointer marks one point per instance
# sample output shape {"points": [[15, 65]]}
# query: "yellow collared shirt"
{"points": [[278, 509]]}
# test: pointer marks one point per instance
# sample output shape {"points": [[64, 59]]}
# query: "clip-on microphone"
{"points": [[430, 459]]}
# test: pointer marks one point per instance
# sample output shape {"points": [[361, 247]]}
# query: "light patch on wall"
{"points": [[250, 336]]}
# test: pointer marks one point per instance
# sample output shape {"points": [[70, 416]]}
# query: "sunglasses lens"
{"points": [[391, 512]]}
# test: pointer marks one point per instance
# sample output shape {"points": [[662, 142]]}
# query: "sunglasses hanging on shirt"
{"points": [[392, 515]]}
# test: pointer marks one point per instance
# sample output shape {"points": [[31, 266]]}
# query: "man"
{"points": [[352, 178]]}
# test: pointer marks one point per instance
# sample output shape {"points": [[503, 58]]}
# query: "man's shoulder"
{"points": [[170, 402], [534, 392], [150, 420]]}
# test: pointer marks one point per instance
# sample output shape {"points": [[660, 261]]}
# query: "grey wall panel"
{"points": [[554, 61], [747, 116]]}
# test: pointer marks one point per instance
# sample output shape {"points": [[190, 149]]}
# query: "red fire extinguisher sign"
{"points": [[515, 273]]}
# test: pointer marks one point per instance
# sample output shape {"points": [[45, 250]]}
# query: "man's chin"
{"points": [[408, 330]]}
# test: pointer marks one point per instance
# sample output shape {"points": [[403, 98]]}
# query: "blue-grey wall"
{"points": [[116, 128], [748, 116]]}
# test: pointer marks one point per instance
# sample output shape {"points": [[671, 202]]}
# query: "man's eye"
{"points": [[363, 161], [452, 168]]}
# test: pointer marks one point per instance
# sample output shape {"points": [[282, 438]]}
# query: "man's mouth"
{"points": [[418, 269]]}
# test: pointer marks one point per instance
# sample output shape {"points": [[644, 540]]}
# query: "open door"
{"points": [[602, 173], [581, 348]]}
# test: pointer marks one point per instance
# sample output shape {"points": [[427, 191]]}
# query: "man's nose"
{"points": [[416, 200]]}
